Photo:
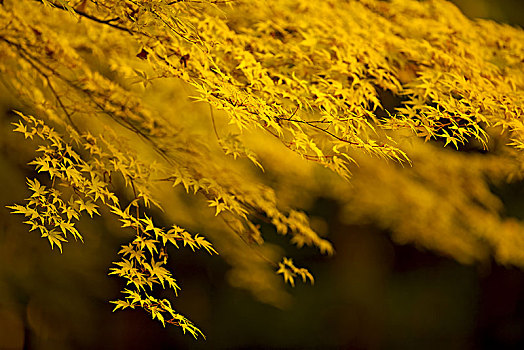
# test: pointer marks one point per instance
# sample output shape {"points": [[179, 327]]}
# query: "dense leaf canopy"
{"points": [[403, 111]]}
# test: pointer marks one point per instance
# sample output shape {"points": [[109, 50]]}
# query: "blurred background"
{"points": [[502, 11], [373, 294]]}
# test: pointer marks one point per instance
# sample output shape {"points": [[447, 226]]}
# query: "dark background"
{"points": [[372, 294]]}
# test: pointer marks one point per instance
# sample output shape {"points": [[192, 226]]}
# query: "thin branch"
{"points": [[314, 158], [319, 128], [95, 19], [23, 53], [128, 125], [213, 121], [272, 263]]}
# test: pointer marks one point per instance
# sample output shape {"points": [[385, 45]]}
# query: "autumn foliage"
{"points": [[228, 117]]}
